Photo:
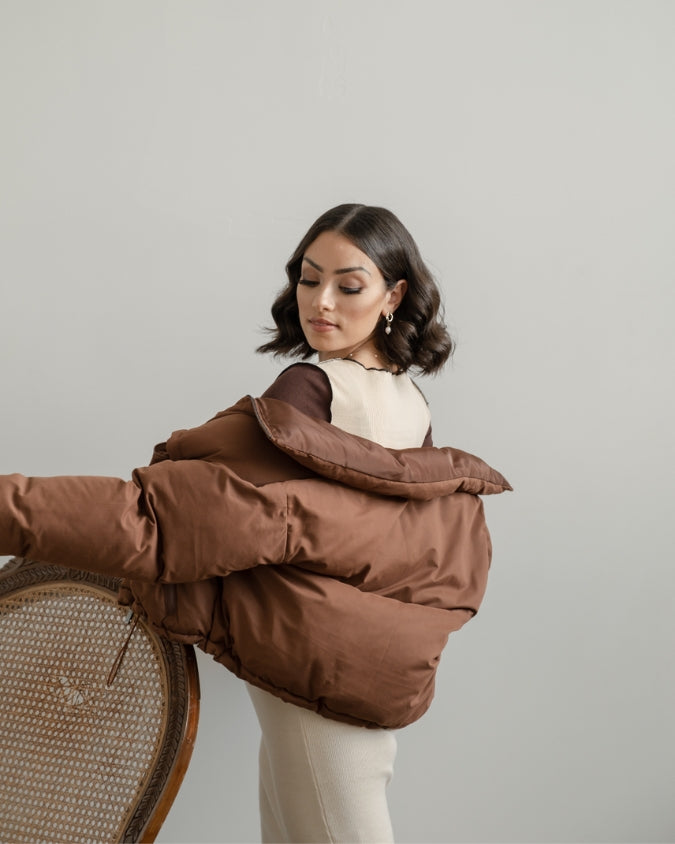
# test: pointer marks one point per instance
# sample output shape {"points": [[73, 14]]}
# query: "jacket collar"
{"points": [[419, 473]]}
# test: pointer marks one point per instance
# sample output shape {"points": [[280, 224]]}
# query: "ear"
{"points": [[395, 296]]}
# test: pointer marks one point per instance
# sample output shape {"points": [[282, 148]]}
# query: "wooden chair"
{"points": [[98, 714]]}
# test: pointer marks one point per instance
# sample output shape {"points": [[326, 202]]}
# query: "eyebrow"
{"points": [[337, 272]]}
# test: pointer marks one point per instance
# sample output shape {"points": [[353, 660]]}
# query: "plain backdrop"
{"points": [[159, 163]]}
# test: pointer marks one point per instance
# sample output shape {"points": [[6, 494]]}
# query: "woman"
{"points": [[304, 539], [359, 294]]}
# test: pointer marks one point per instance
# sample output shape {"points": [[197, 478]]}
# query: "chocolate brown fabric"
{"points": [[315, 564]]}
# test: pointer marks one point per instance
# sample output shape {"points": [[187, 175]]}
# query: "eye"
{"points": [[307, 282], [350, 290]]}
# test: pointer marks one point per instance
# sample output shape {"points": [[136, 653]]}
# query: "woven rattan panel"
{"points": [[74, 754]]}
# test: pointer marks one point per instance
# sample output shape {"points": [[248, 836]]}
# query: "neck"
{"points": [[367, 354]]}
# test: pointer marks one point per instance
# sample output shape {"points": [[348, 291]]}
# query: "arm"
{"points": [[306, 387], [113, 526]]}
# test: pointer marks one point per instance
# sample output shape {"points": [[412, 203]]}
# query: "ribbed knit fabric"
{"points": [[322, 780]]}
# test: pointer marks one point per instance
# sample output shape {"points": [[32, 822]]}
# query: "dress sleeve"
{"points": [[306, 387]]}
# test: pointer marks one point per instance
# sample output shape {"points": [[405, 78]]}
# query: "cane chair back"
{"points": [[98, 714]]}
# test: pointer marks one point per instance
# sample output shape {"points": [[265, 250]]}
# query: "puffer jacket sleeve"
{"points": [[117, 527], [186, 521]]}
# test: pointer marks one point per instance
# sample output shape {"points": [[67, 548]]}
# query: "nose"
{"points": [[323, 298]]}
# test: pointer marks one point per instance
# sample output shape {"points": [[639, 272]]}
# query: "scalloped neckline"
{"points": [[362, 365]]}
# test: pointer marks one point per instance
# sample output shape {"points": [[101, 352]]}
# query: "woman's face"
{"points": [[341, 296]]}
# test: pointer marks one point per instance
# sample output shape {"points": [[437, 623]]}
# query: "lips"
{"points": [[321, 324]]}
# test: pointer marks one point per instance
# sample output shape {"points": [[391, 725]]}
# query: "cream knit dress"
{"points": [[323, 780]]}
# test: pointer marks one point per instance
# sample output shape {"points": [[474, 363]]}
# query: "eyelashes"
{"points": [[350, 291]]}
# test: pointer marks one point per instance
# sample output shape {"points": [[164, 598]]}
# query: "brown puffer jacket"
{"points": [[312, 563]]}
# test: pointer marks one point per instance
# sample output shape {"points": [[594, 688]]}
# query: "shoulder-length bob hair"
{"points": [[418, 338]]}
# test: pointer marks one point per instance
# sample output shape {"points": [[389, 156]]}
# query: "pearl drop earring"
{"points": [[389, 319]]}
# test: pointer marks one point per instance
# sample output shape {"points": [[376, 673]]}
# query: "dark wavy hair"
{"points": [[419, 338]]}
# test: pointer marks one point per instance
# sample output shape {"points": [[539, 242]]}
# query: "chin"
{"points": [[323, 346]]}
